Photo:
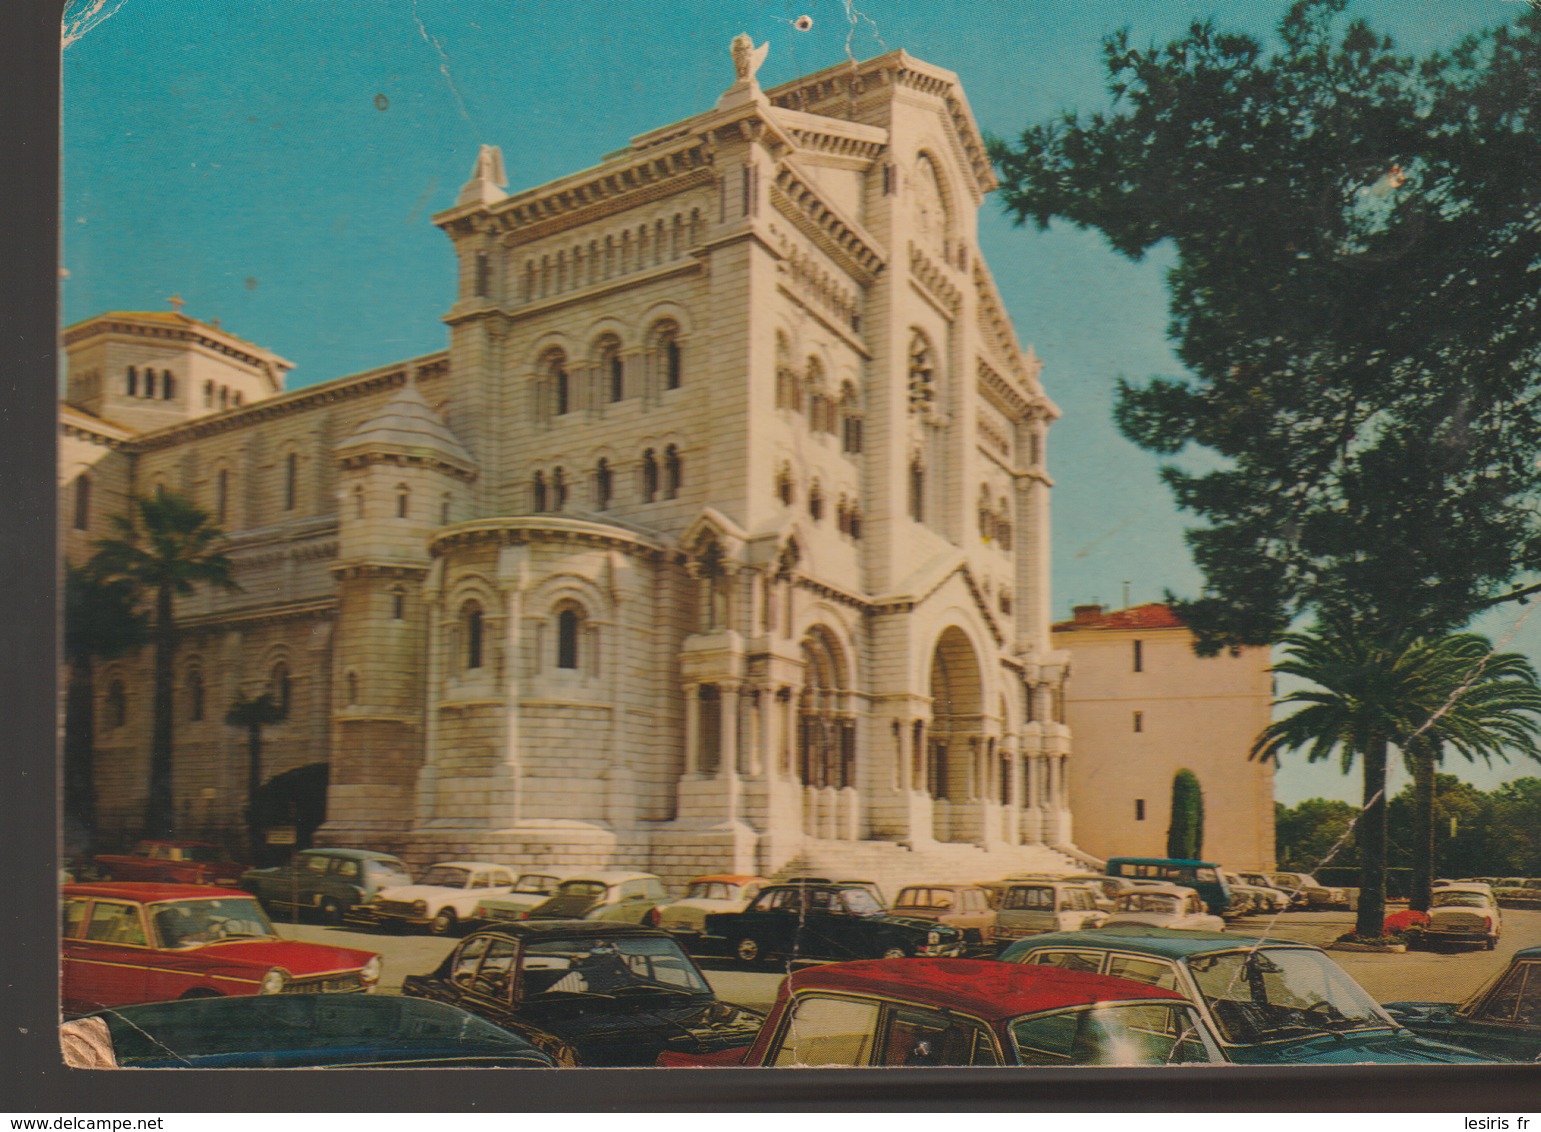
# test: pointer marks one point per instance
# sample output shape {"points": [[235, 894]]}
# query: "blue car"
{"points": [[1503, 1017], [1264, 1001]]}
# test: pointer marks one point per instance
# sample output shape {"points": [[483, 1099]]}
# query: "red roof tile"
{"points": [[1151, 615]]}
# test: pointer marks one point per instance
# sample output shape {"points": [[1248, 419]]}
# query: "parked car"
{"points": [[966, 1012], [686, 917], [1306, 895], [827, 921], [126, 943], [1104, 889], [300, 1031], [1165, 906], [328, 882], [442, 900], [172, 862], [1263, 1001], [530, 889], [870, 885], [1518, 892], [1032, 907], [1278, 900], [1462, 913], [1502, 1019], [962, 906], [623, 897], [615, 994], [1201, 876]]}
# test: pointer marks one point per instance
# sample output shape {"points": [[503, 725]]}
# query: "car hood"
{"points": [[431, 892], [565, 907], [916, 922], [1375, 1047], [635, 1031], [298, 958]]}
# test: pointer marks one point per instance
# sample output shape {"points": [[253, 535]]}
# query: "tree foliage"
{"points": [[165, 547], [1185, 834], [1354, 299]]}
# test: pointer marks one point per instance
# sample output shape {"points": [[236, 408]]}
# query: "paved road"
{"points": [[1422, 975]]}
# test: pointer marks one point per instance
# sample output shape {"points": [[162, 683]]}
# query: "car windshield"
{"points": [[387, 871], [924, 898], [1108, 1033], [588, 888], [709, 890], [444, 876], [1458, 900], [611, 967], [860, 902], [193, 923], [1149, 902], [535, 882], [1281, 993]]}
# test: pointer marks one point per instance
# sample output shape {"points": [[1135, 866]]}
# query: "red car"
{"points": [[923, 1012], [130, 943], [173, 862]]}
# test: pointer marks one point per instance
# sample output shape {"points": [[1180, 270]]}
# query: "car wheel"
{"points": [[329, 910], [1492, 942], [896, 951], [444, 923], [749, 950]]}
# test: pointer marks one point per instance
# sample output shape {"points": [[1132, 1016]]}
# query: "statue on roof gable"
{"points": [[747, 57], [488, 181]]}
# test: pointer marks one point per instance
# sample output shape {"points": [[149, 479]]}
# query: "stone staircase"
{"points": [[892, 866]]}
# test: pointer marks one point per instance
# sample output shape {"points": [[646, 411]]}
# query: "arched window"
{"points": [[816, 501], [855, 522], [1003, 524], [208, 394], [785, 489], [133, 382], [398, 604], [82, 502], [986, 515], [471, 619], [558, 489], [149, 383], [445, 507], [195, 694], [483, 273], [236, 400], [291, 481], [222, 495], [649, 476], [612, 367], [673, 472], [282, 689], [602, 485], [555, 367], [403, 501], [224, 397], [168, 386], [538, 492], [117, 705], [358, 502], [673, 362], [917, 490], [568, 627], [850, 419], [789, 390]]}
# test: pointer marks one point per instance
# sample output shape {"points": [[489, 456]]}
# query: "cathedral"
{"points": [[716, 538]]}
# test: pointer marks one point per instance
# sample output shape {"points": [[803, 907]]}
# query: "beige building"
{"points": [[1142, 707], [715, 539]]}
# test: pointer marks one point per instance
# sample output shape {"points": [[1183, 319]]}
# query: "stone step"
{"points": [[892, 866]]}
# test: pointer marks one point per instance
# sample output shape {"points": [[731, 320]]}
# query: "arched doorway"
{"points": [[826, 735], [294, 802], [955, 735]]}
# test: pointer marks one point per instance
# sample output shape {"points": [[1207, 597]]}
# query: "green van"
{"points": [[1201, 876]]}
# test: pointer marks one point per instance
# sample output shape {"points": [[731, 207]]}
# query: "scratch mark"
{"points": [[86, 17], [854, 16], [443, 65], [422, 201]]}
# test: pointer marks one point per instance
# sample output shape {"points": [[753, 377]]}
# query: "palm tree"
{"points": [[1368, 695], [166, 546], [100, 623], [254, 714], [1493, 707]]}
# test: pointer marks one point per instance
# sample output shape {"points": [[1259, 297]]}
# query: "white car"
{"points": [[1033, 907], [687, 915], [1278, 899], [533, 887], [1307, 894], [1165, 906], [1463, 913], [443, 898], [1248, 899]]}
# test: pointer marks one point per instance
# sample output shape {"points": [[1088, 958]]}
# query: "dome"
{"points": [[406, 425]]}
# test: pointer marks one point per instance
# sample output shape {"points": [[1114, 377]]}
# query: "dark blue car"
{"points": [[1502, 1019]]}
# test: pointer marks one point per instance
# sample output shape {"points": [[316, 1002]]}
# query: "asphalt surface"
{"points": [[1446, 975]]}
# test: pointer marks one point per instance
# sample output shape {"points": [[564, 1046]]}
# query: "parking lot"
{"points": [[1447, 975]]}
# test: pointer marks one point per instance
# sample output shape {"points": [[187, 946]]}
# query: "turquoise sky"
{"points": [[275, 163]]}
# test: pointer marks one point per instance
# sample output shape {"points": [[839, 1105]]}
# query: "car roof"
{"points": [[1169, 943], [984, 988], [1179, 890], [356, 854], [938, 884], [148, 892], [1479, 889], [1163, 861], [469, 865], [727, 878], [608, 877], [523, 929], [1528, 953]]}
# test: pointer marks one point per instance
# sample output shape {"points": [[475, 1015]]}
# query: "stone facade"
{"points": [[1142, 707], [716, 540]]}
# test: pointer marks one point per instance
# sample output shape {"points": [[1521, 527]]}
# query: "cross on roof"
{"points": [[177, 303]]}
